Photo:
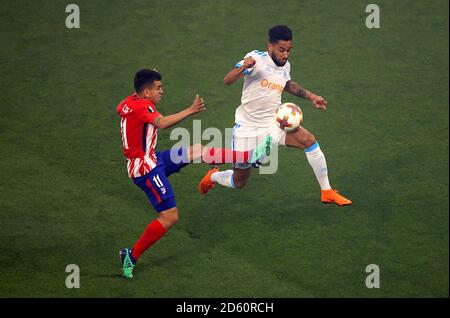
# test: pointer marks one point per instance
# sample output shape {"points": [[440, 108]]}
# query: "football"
{"points": [[289, 116]]}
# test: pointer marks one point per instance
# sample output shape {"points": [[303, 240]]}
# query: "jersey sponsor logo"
{"points": [[126, 109], [265, 83]]}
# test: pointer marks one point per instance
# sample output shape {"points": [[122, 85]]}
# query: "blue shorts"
{"points": [[155, 183]]}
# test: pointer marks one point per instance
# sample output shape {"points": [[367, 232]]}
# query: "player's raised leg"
{"points": [[243, 161], [216, 156], [303, 139], [236, 178]]}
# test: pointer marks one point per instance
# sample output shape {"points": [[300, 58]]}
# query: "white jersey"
{"points": [[263, 87]]}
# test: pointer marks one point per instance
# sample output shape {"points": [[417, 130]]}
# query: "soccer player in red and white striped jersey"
{"points": [[149, 169], [139, 136]]}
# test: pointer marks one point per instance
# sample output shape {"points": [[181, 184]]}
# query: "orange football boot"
{"points": [[332, 196], [206, 184]]}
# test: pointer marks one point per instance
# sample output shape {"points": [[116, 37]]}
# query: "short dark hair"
{"points": [[280, 32], [144, 78]]}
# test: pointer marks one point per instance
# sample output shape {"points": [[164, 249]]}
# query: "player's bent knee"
{"points": [[174, 216], [240, 184], [311, 140], [240, 177], [169, 218]]}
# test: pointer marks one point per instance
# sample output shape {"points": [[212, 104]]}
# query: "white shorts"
{"points": [[248, 137]]}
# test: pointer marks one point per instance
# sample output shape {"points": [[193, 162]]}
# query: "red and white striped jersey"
{"points": [[139, 135]]}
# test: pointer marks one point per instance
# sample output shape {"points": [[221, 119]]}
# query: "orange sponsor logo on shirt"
{"points": [[270, 85]]}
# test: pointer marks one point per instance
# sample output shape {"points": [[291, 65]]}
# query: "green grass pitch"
{"points": [[65, 197]]}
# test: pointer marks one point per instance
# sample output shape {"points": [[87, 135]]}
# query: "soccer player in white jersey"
{"points": [[266, 75]]}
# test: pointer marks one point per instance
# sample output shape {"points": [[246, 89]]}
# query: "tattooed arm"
{"points": [[296, 90]]}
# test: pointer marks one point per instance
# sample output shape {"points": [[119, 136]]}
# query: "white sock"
{"points": [[224, 178], [316, 159]]}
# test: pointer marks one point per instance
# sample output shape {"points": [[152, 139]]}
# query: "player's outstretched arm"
{"points": [[238, 72], [296, 90], [163, 122]]}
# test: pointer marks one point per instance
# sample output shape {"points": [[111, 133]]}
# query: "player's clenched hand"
{"points": [[249, 62], [319, 102], [198, 105]]}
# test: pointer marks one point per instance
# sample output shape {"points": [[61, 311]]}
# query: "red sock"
{"points": [[216, 156], [151, 235]]}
